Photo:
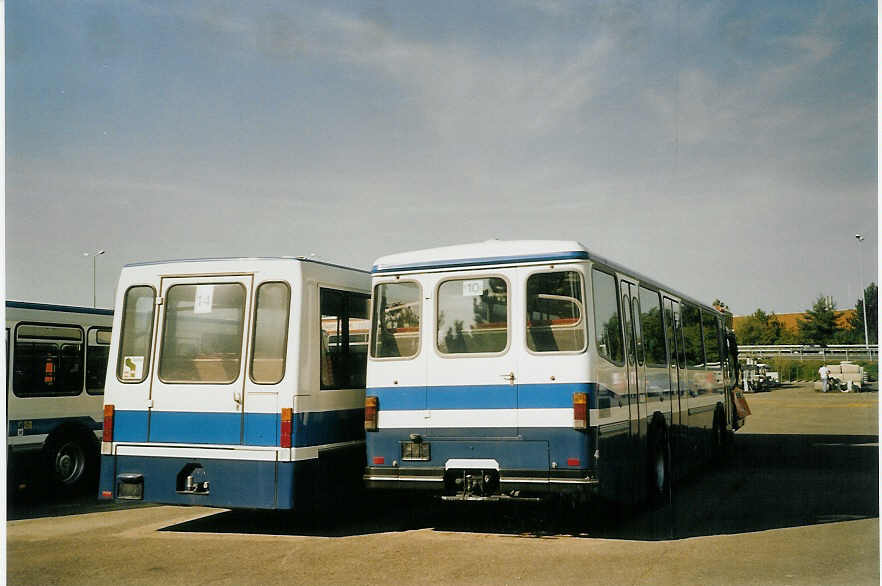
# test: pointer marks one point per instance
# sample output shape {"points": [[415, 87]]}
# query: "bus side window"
{"points": [[692, 336], [97, 351], [653, 331], [48, 360], [343, 334], [607, 323]]}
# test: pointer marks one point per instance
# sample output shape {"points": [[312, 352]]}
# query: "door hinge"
{"points": [[150, 403], [159, 300]]}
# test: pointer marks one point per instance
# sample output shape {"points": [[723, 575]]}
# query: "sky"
{"points": [[726, 149]]}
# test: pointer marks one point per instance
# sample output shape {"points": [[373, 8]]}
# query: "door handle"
{"points": [[510, 377], [237, 397]]}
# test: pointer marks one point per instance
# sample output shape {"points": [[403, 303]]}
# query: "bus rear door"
{"points": [[197, 390]]}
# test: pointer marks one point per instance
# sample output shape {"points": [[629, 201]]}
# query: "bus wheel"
{"points": [[659, 482], [67, 461]]}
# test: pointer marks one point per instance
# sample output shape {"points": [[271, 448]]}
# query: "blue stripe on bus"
{"points": [[52, 307], [48, 425], [472, 397], [129, 426], [488, 260], [525, 396], [195, 428], [260, 429]]}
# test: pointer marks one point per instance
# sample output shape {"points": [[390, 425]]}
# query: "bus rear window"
{"points": [[555, 312], [396, 320], [200, 346], [472, 316], [137, 334]]}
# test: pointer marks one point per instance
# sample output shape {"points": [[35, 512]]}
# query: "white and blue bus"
{"points": [[236, 383], [56, 358], [505, 370]]}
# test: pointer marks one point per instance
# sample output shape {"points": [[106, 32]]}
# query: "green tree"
{"points": [[724, 309], [760, 328], [819, 326], [856, 322]]}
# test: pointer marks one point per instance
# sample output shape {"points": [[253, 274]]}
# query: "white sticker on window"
{"points": [[203, 299], [472, 288], [133, 367]]}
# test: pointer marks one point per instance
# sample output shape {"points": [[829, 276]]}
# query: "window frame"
{"points": [[373, 299], [703, 357], [616, 297], [161, 333], [508, 321], [253, 338], [152, 336], [85, 384], [711, 318], [345, 291], [660, 305], [61, 342], [583, 317]]}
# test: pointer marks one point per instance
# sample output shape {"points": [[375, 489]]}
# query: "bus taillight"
{"points": [[580, 410], [287, 425], [107, 432], [371, 413]]}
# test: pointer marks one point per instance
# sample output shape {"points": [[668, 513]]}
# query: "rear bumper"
{"points": [[232, 482], [524, 481]]}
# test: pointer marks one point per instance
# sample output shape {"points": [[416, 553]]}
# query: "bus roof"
{"points": [[495, 252], [53, 307], [481, 253], [243, 258]]}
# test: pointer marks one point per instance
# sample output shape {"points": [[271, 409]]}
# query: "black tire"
{"points": [[658, 475], [70, 461]]}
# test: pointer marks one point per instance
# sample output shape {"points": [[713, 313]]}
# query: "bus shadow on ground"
{"points": [[770, 482]]}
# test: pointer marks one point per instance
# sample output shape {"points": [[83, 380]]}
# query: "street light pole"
{"points": [[860, 238], [94, 255]]}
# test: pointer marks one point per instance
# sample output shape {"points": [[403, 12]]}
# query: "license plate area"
{"points": [[416, 451]]}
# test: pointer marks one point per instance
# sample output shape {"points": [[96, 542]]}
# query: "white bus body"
{"points": [[499, 370], [235, 382], [56, 358]]}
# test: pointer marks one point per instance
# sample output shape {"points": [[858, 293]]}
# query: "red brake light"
{"points": [[107, 432], [371, 413], [287, 425], [580, 410]]}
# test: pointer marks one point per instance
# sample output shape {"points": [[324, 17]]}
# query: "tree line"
{"points": [[818, 326]]}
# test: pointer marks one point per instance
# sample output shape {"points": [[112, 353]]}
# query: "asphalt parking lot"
{"points": [[796, 504]]}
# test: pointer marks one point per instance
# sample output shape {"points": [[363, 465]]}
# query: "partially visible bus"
{"points": [[523, 369], [56, 359], [236, 383]]}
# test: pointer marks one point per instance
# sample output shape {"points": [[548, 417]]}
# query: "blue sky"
{"points": [[728, 149]]}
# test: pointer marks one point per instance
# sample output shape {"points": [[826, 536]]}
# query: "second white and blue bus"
{"points": [[522, 369]]}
